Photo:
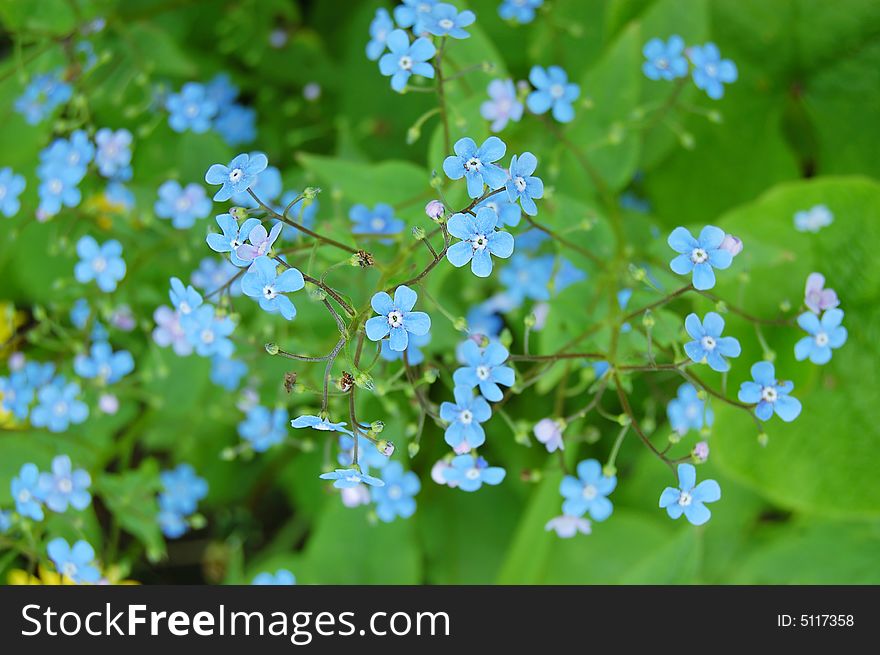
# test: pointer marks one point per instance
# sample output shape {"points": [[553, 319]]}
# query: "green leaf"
{"points": [[390, 182]]}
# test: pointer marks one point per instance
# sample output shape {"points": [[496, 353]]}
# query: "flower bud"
{"points": [[377, 426], [460, 324], [732, 244], [435, 210], [763, 439], [674, 438], [364, 381], [648, 319], [239, 213], [385, 447], [701, 451], [413, 449], [311, 192], [609, 470], [272, 348], [418, 233]]}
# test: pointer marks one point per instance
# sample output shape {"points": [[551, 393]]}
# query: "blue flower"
{"points": [[263, 283], [75, 563], [770, 394], [41, 96], [414, 14], [484, 319], [552, 91], [118, 196], [5, 521], [213, 273], [58, 189], [711, 72], [379, 220], [522, 185], [503, 105], [529, 278], [446, 20], [318, 423], [348, 478], [397, 318], [506, 212], [191, 109], [464, 416], [475, 164], [281, 577], [102, 263], [221, 90], [588, 491], [182, 489], [16, 394], [813, 219], [208, 333], [380, 27], [483, 368], [64, 486], [825, 335], [58, 406], [26, 492], [405, 59], [227, 372], [185, 299], [469, 473], [172, 523], [114, 152], [414, 355], [267, 188], [699, 255], [74, 153], [566, 275], [233, 236], [690, 497], [708, 344], [11, 186], [183, 205], [236, 124], [103, 363], [261, 242], [238, 177], [687, 411], [263, 428], [396, 498], [520, 11], [369, 456], [479, 241], [665, 60]]}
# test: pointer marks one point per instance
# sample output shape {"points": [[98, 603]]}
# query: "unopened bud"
{"points": [[435, 210], [732, 244], [701, 451], [311, 192], [377, 426], [674, 438], [413, 449], [460, 324], [609, 470], [418, 233], [364, 381], [239, 213], [272, 348], [763, 439], [385, 447], [648, 320]]}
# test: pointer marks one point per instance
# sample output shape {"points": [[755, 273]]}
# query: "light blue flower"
{"points": [[102, 363], [484, 319], [522, 184], [64, 486], [414, 355], [213, 273], [185, 299], [236, 124], [566, 275], [118, 195], [58, 406], [406, 59], [227, 372], [114, 152], [414, 14], [506, 211], [281, 577], [11, 186], [469, 473], [5, 521], [172, 523], [825, 335], [769, 394], [527, 277], [26, 492], [813, 219], [209, 333], [349, 477], [690, 497], [263, 427], [519, 11], [76, 563], [74, 153], [58, 188], [318, 423], [699, 256], [191, 109], [479, 241], [240, 175], [588, 492], [396, 497], [380, 27], [379, 220], [665, 60], [464, 416], [711, 72], [183, 205], [221, 90], [475, 164], [484, 369], [16, 394], [503, 105], [369, 456], [263, 283], [267, 188], [708, 345], [686, 411], [553, 92], [41, 96], [232, 238], [102, 263], [397, 318], [446, 20], [182, 489]]}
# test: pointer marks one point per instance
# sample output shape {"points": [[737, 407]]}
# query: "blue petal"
{"points": [[681, 240], [399, 339], [377, 328], [704, 277], [418, 323], [787, 408], [460, 253]]}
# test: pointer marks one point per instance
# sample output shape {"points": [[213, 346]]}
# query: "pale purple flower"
{"points": [[435, 209], [701, 451], [816, 297], [438, 473], [355, 496], [732, 244], [108, 403], [503, 105], [568, 526], [260, 242], [169, 331], [549, 433], [123, 318]]}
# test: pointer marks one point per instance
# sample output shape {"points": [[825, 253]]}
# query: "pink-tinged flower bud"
{"points": [[549, 433], [357, 495], [701, 451], [108, 403], [732, 244], [438, 473], [568, 526], [435, 210]]}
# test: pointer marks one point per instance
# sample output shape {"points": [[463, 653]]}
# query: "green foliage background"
{"points": [[800, 127]]}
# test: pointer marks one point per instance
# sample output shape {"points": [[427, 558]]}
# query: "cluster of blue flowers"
{"points": [[43, 94], [76, 563], [201, 107], [519, 11], [58, 402], [671, 59], [59, 489], [181, 492]]}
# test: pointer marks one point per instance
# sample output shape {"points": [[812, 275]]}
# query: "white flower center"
{"points": [[2, 192], [708, 343], [446, 23], [493, 206], [192, 110], [711, 70], [425, 8], [104, 371], [661, 63], [207, 336], [394, 493], [685, 499], [472, 474], [55, 186], [99, 264], [183, 203], [520, 183], [65, 485], [352, 477], [769, 394], [557, 90], [590, 492], [821, 339], [69, 569], [24, 496], [235, 175], [483, 372], [60, 408], [405, 62], [473, 164], [395, 318], [184, 307], [466, 417], [698, 255], [377, 224], [691, 411], [269, 292], [479, 242]]}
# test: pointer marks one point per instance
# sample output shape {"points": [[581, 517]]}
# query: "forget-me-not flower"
{"points": [[700, 256], [397, 318], [240, 175], [469, 473], [522, 184], [350, 477], [587, 492], [380, 27], [76, 563], [281, 577], [506, 212], [261, 242], [65, 486], [209, 333], [816, 297], [446, 20], [484, 369], [26, 492], [406, 59], [690, 497], [263, 283], [519, 11], [41, 96], [379, 220], [58, 406], [191, 109], [475, 164], [396, 497], [503, 105], [553, 92], [769, 394], [102, 263], [183, 205], [826, 334], [104, 364], [114, 152], [414, 14], [687, 411], [813, 219], [182, 488], [479, 241], [263, 427], [711, 72], [708, 344], [464, 416], [414, 355], [233, 236], [227, 372], [58, 188], [665, 60], [319, 423], [11, 186], [236, 124]]}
